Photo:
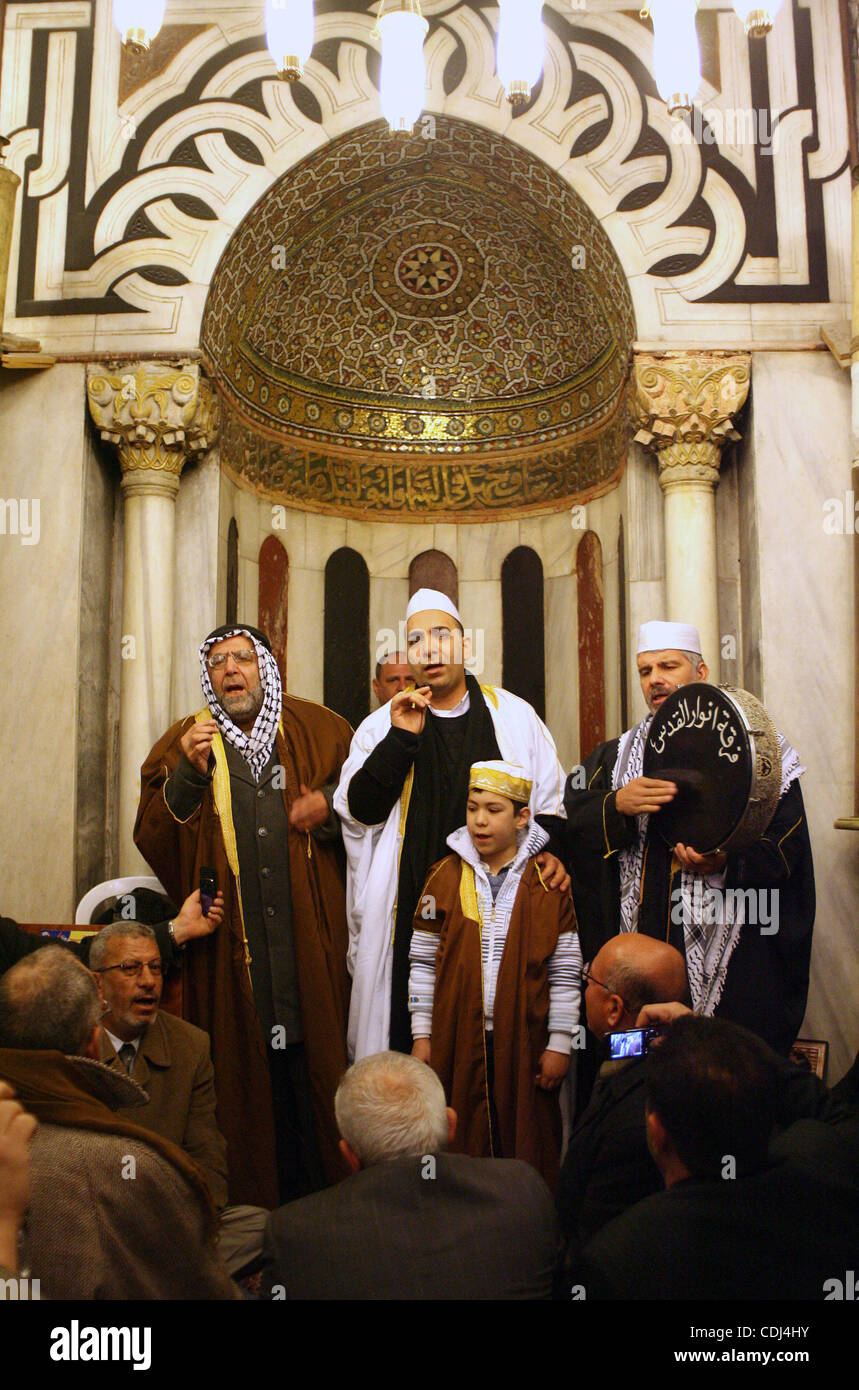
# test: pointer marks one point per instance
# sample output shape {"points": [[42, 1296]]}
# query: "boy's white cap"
{"points": [[508, 779], [662, 637], [426, 599]]}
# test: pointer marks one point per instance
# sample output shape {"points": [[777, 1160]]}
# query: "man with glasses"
{"points": [[607, 1166], [243, 787], [171, 1060]]}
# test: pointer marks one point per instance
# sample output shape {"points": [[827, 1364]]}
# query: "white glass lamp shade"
{"points": [[757, 15], [138, 21], [289, 35], [403, 85], [520, 47], [676, 52]]}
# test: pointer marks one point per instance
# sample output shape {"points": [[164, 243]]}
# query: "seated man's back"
{"points": [[110, 1218], [115, 1211], [736, 1220], [439, 1226], [778, 1234]]}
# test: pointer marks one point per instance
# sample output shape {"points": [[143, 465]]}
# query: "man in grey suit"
{"points": [[172, 1061], [412, 1221]]}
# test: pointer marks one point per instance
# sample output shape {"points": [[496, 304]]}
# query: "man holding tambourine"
{"points": [[691, 828]]}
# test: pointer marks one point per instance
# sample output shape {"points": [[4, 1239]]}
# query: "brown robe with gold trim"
{"points": [[216, 988], [529, 1118]]}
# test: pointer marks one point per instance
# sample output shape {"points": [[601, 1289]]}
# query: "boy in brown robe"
{"points": [[495, 975]]}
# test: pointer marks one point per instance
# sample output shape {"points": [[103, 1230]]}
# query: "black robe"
{"points": [[443, 755], [766, 986]]}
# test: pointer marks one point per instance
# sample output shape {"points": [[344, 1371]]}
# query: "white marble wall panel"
{"points": [[389, 548], [42, 463], [554, 537], [801, 457], [607, 46], [325, 534], [248, 605], [724, 666], [249, 516], [305, 639], [290, 528], [485, 549], [644, 517], [451, 540], [645, 602], [562, 682], [480, 610], [196, 596], [388, 600]]}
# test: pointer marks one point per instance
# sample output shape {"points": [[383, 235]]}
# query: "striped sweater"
{"points": [[496, 895]]}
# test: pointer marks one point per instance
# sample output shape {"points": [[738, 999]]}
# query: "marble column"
{"points": [[157, 414], [685, 405]]}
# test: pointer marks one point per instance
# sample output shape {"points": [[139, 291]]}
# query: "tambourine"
{"points": [[720, 747]]}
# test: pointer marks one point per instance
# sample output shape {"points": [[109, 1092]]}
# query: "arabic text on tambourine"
{"points": [[699, 713]]}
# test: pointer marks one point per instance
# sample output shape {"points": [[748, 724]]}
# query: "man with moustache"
{"points": [[171, 1060], [626, 878], [393, 674], [403, 790], [244, 787]]}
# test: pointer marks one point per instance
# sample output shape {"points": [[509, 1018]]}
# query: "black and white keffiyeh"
{"points": [[255, 747], [712, 920]]}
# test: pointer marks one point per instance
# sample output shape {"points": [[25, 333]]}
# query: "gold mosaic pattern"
{"points": [[425, 298], [393, 487]]}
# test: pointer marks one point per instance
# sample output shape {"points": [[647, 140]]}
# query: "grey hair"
{"points": [[48, 1000], [695, 659], [391, 1106], [114, 931], [636, 988]]}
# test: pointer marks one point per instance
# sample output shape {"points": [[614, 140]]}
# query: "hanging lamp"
{"points": [[403, 86], [138, 21], [520, 48], [757, 18], [289, 35], [676, 53]]}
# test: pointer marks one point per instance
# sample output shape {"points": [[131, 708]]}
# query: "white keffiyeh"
{"points": [[255, 747], [712, 920]]}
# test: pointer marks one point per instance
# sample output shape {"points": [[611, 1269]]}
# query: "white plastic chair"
{"points": [[113, 887]]}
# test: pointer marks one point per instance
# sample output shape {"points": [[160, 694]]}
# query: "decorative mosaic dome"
{"points": [[449, 301]]}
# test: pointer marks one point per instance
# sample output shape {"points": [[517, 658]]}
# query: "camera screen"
{"points": [[628, 1044]]}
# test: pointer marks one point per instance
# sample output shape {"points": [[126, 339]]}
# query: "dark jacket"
{"points": [[766, 986], [607, 1167], [174, 1067], [783, 1233], [444, 1226]]}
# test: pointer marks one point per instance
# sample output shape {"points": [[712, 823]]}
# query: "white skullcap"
{"points": [[426, 599], [675, 637]]}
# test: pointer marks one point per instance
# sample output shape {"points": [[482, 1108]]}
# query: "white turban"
{"points": [[427, 599], [662, 637]]}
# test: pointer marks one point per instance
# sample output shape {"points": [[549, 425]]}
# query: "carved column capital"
{"points": [[685, 404], [156, 413]]}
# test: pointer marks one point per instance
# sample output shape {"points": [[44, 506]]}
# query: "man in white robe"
{"points": [[399, 797]]}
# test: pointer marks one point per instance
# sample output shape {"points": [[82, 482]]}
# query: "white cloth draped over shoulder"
{"points": [[373, 853]]}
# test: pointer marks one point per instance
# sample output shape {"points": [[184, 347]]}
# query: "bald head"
{"points": [[632, 970]]}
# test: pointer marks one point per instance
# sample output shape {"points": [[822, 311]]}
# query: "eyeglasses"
{"points": [[246, 657], [589, 979], [131, 968]]}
